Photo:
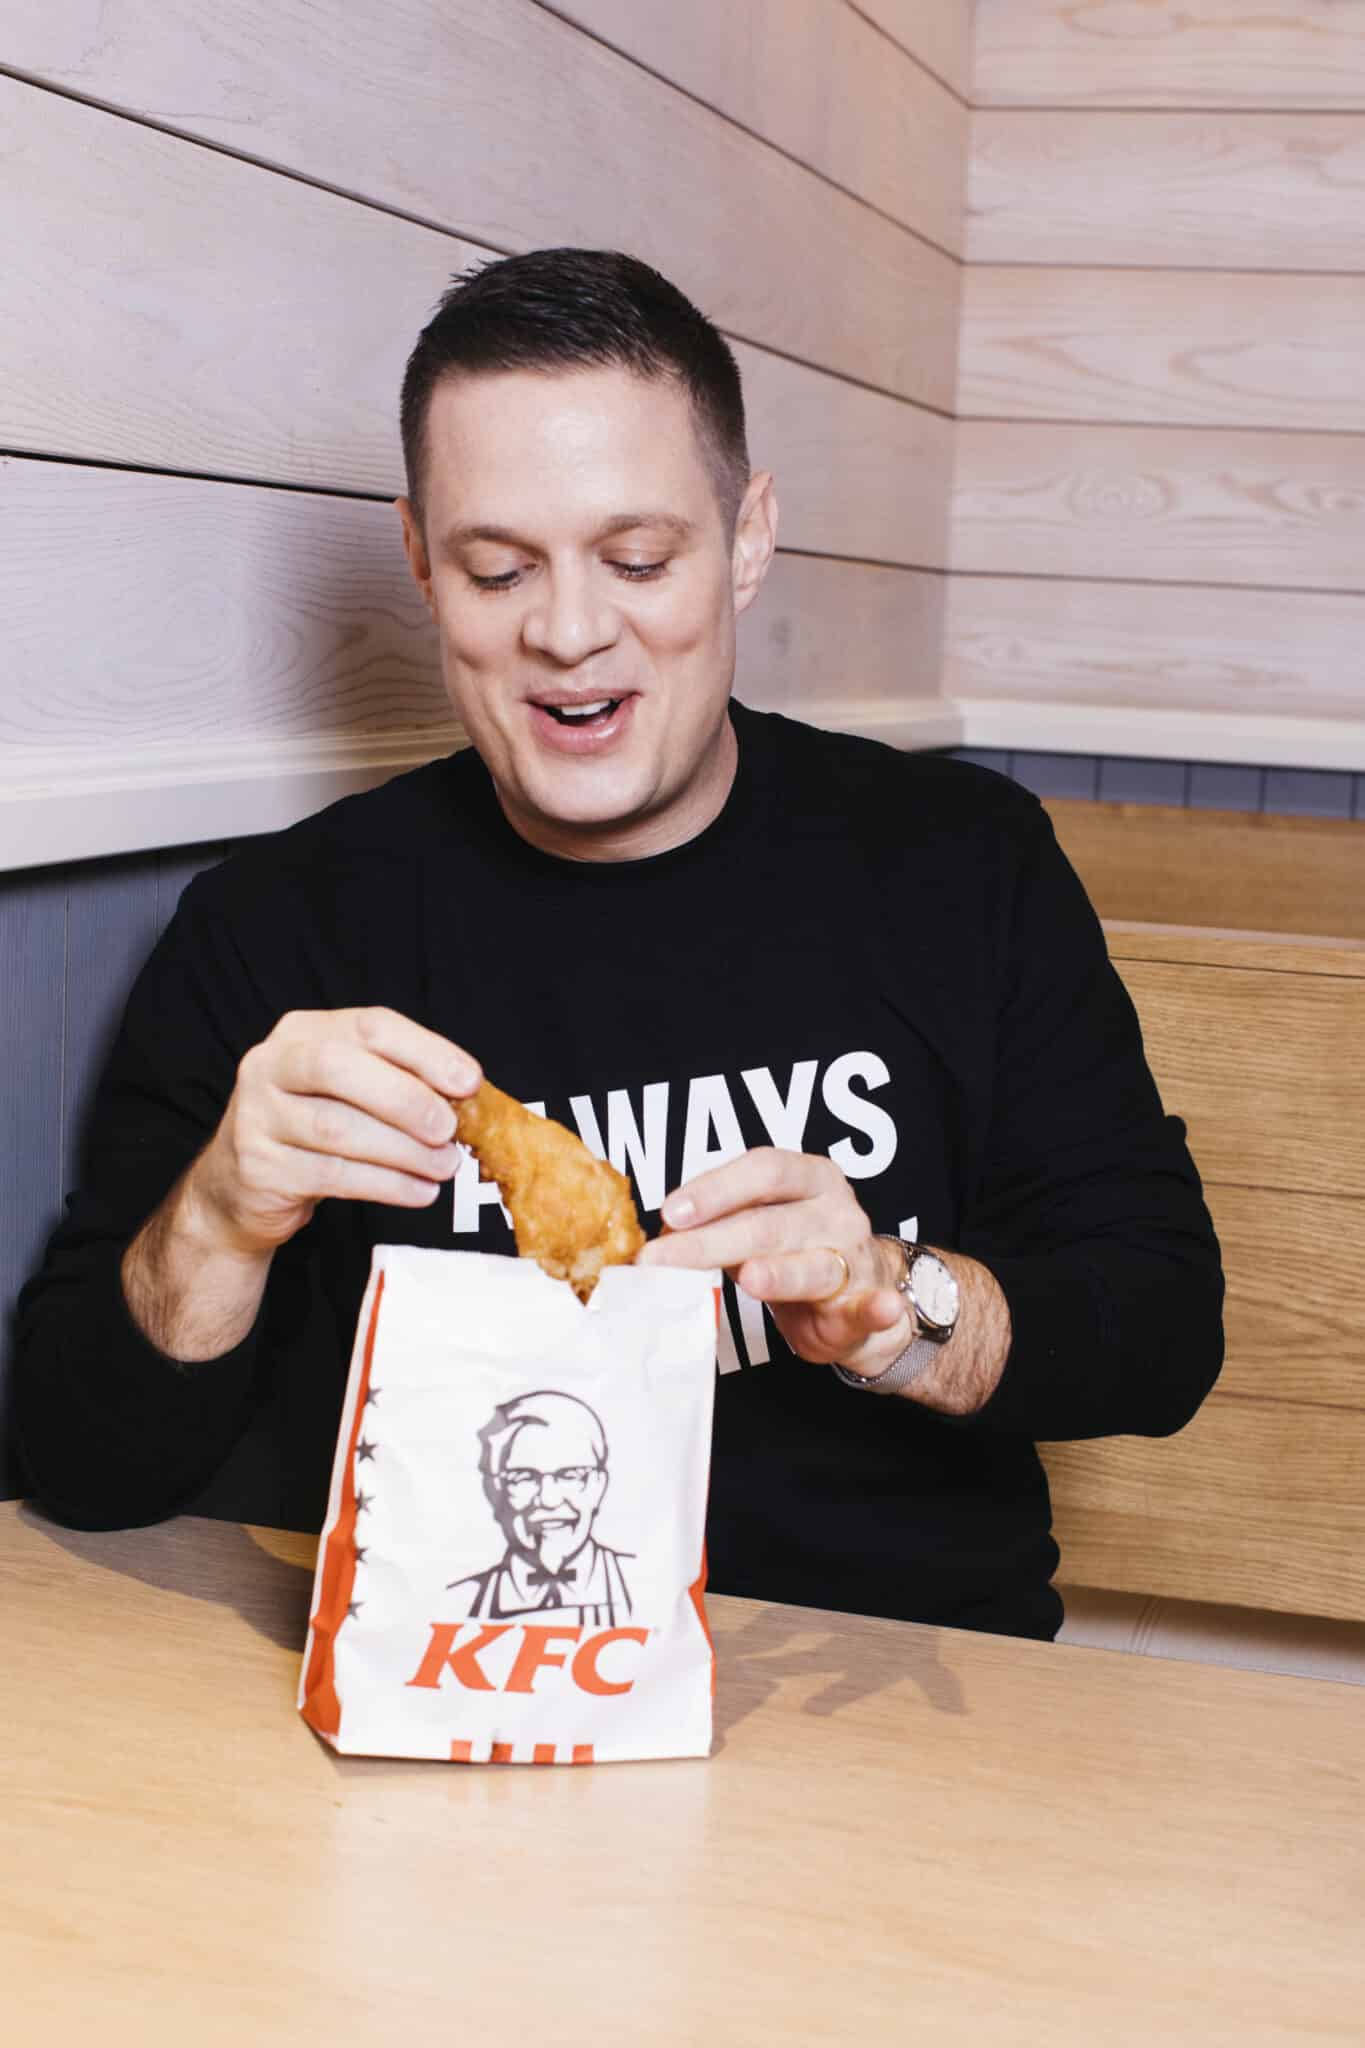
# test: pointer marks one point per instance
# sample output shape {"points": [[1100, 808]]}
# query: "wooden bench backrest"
{"points": [[1258, 1042], [1234, 870]]}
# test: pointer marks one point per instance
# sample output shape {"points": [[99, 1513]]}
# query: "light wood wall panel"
{"points": [[1187, 646], [510, 127], [936, 32], [1158, 503], [136, 334], [172, 306], [1230, 191], [1201, 348], [818, 80], [230, 641], [1161, 382], [207, 611], [202, 612], [1169, 53]]}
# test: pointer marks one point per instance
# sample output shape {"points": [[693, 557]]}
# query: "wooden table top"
{"points": [[902, 1831]]}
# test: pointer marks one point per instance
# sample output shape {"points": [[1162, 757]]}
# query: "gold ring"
{"points": [[847, 1275]]}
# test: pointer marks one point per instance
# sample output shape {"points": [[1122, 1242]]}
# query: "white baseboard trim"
{"points": [[62, 807], [1246, 739], [55, 808]]}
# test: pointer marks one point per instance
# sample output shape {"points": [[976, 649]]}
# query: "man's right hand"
{"points": [[345, 1103], [352, 1104]]}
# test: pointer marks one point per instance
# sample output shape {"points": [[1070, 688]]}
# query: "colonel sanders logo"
{"points": [[544, 1467]]}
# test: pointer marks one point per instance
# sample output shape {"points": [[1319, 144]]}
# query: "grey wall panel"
{"points": [[1128, 781], [32, 1016], [111, 924], [1308, 792]]}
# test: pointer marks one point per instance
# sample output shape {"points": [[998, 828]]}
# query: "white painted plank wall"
{"points": [[223, 238]]}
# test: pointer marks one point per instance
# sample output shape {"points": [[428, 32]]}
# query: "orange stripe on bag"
{"points": [[582, 1753], [543, 1753], [462, 1752], [321, 1707], [500, 1753]]}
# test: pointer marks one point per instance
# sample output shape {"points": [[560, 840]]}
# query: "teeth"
{"points": [[583, 710]]}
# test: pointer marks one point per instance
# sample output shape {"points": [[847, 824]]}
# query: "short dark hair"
{"points": [[566, 309]]}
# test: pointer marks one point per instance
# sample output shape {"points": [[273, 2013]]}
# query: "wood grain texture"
{"points": [[202, 611], [1167, 865], [1190, 648], [508, 127], [1270, 952], [1276, 1354], [1169, 53], [753, 1898], [1227, 191], [821, 631], [1263, 1066], [1253, 1505], [210, 612], [1225, 348], [815, 78], [161, 357], [938, 33], [1160, 503]]}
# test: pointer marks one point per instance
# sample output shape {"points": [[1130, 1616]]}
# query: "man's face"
{"points": [[549, 1490], [561, 611]]}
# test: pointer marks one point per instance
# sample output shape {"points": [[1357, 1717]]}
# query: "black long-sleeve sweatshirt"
{"points": [[879, 956]]}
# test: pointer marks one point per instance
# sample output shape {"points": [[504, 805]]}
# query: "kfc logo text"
{"points": [[596, 1665]]}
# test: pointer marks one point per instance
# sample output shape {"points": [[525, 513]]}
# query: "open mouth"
{"points": [[596, 713]]}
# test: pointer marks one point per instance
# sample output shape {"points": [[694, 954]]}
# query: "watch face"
{"points": [[934, 1291]]}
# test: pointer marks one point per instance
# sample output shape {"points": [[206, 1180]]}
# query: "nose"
{"points": [[570, 616]]}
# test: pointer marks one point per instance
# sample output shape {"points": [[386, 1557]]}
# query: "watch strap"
{"points": [[911, 1365], [918, 1355]]}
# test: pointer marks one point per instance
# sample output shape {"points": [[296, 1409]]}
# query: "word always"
{"points": [[636, 1134]]}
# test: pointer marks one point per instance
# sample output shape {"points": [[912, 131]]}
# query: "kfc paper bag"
{"points": [[512, 1565]]}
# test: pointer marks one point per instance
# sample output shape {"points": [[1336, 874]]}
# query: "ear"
{"points": [[415, 548], [755, 538]]}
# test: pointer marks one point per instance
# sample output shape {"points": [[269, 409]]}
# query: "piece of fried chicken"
{"points": [[571, 1212]]}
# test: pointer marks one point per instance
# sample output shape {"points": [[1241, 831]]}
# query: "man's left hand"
{"points": [[782, 1225]]}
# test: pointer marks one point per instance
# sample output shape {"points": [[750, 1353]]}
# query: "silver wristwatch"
{"points": [[934, 1300]]}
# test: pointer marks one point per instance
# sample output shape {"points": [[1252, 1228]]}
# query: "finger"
{"points": [[333, 1064], [444, 1066], [732, 1240], [844, 1329], [320, 1124], [766, 1174], [815, 1273], [289, 1172]]}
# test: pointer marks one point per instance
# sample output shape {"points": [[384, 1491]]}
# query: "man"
{"points": [[544, 1466], [847, 1010]]}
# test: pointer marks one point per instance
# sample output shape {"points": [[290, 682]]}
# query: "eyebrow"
{"points": [[620, 522]]}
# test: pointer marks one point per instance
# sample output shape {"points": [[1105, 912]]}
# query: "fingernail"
{"points": [[462, 1080], [678, 1210]]}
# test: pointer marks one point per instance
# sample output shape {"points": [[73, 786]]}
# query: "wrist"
{"points": [[203, 1227]]}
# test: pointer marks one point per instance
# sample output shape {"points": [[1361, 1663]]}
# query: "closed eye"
{"points": [[632, 572]]}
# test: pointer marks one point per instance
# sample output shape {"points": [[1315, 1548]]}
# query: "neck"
{"points": [[640, 836]]}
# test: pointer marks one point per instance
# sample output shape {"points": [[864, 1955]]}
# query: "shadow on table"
{"points": [[203, 1560], [854, 1658]]}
